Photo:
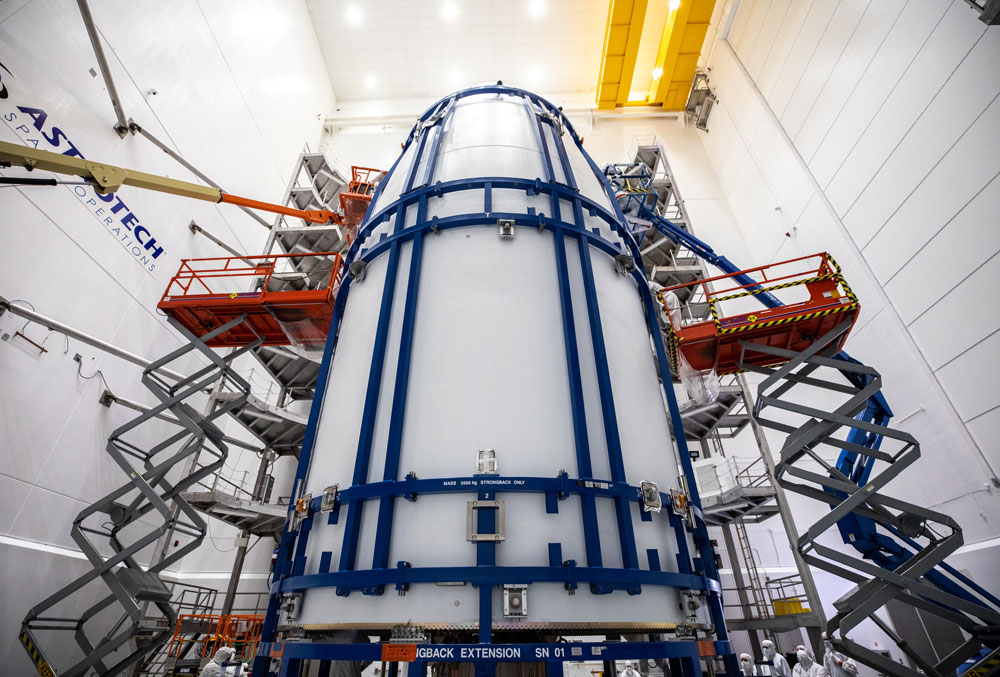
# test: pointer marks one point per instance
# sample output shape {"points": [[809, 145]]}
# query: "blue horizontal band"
{"points": [[402, 576], [465, 220], [532, 186], [562, 485], [496, 89]]}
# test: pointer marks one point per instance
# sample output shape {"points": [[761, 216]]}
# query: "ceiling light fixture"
{"points": [[536, 8], [370, 81], [673, 5], [449, 11], [657, 72], [354, 15]]}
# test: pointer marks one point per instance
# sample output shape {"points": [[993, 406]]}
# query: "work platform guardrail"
{"points": [[713, 343], [206, 293]]}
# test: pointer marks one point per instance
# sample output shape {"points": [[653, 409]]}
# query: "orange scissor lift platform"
{"points": [[816, 299], [207, 293], [355, 200]]}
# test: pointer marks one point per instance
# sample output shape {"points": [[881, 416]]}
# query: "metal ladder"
{"points": [[760, 603], [113, 539], [905, 559]]}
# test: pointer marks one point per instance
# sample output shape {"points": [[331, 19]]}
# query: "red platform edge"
{"points": [[196, 299], [714, 344]]}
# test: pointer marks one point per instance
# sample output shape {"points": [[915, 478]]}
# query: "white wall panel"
{"points": [[764, 45], [960, 319], [238, 93], [963, 378], [745, 35], [899, 137], [908, 35], [956, 110], [806, 41], [946, 48], [956, 179], [986, 430], [850, 67], [780, 168], [837, 34], [13, 494], [725, 146], [757, 211], [938, 372], [738, 27], [741, 97], [772, 70], [968, 239]]}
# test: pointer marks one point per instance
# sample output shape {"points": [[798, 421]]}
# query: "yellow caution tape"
{"points": [[40, 663], [786, 320]]}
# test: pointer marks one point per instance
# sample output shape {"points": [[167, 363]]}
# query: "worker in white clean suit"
{"points": [[746, 665], [836, 663], [807, 667], [803, 647], [629, 671], [670, 297], [214, 667], [781, 667]]}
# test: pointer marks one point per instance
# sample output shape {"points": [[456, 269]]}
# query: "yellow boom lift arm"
{"points": [[109, 178]]}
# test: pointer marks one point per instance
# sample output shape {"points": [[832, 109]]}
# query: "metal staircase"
{"points": [[275, 420], [898, 548], [648, 193], [280, 430], [749, 498], [117, 532], [904, 558], [258, 518], [315, 184], [724, 417]]}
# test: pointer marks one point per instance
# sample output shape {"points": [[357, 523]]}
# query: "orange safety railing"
{"points": [[364, 176], [814, 293], [213, 631], [242, 633], [193, 628], [287, 298], [355, 200], [196, 277]]}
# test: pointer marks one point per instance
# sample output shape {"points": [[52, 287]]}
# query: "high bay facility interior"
{"points": [[507, 337]]}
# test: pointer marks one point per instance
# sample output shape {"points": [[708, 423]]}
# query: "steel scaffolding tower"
{"points": [[315, 184], [647, 188], [898, 548]]}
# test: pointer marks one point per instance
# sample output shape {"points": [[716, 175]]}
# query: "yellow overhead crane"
{"points": [[676, 59], [621, 47]]}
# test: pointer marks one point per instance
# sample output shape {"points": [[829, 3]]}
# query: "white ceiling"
{"points": [[397, 49]]}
